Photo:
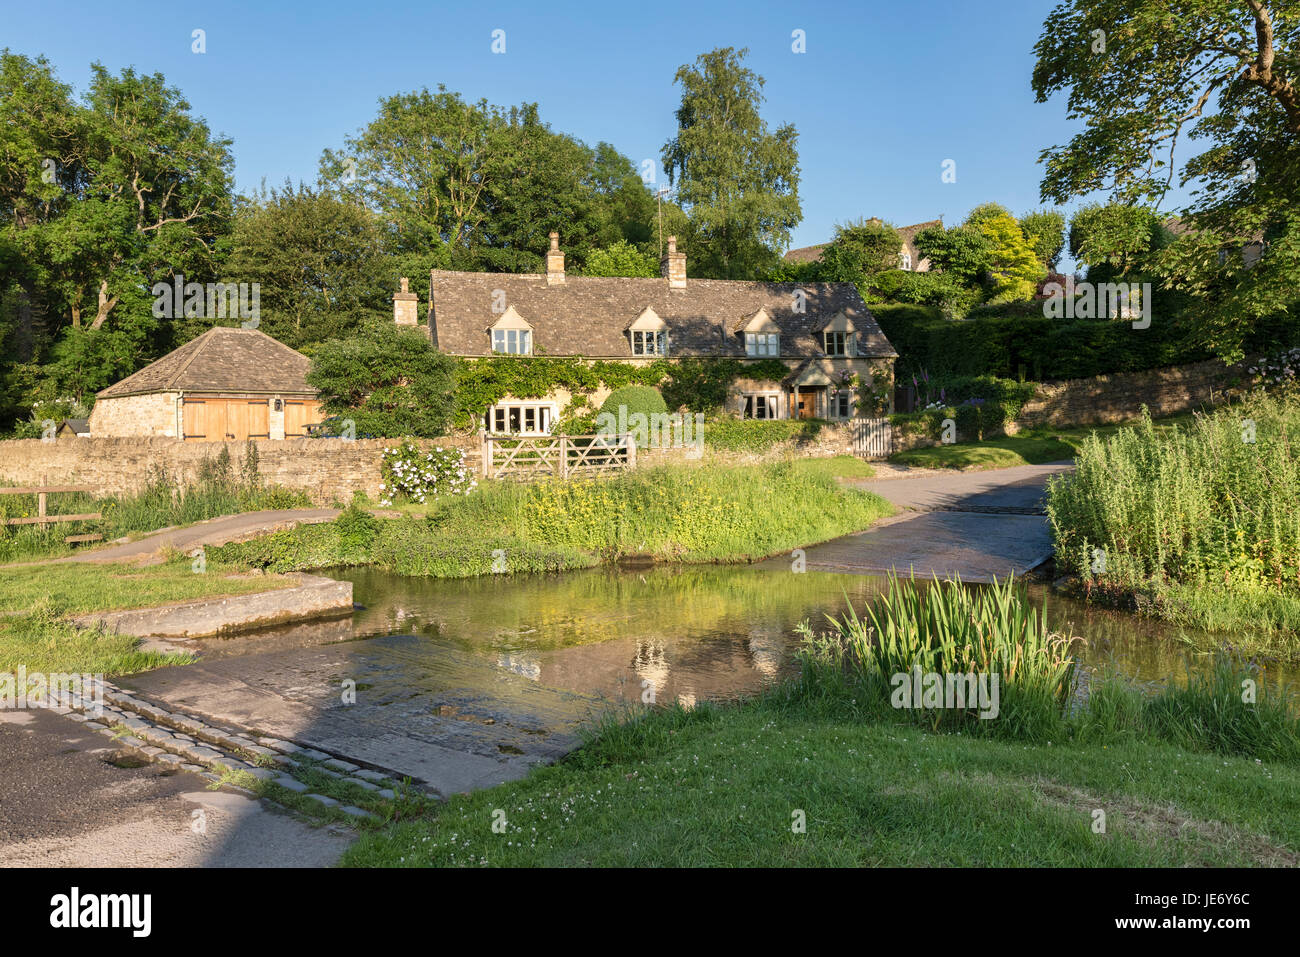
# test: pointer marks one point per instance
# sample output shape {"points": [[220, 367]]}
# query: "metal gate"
{"points": [[872, 438]]}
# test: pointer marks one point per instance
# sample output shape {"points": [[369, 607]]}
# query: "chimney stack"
{"points": [[554, 262], [406, 305], [673, 265]]}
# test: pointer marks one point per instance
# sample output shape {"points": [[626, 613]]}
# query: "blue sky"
{"points": [[884, 94]]}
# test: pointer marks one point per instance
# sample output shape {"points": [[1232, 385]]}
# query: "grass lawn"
{"points": [[725, 785], [694, 512], [40, 598], [1028, 447], [78, 588]]}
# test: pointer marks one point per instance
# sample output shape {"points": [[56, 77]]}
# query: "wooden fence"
{"points": [[560, 456], [872, 438], [42, 516]]}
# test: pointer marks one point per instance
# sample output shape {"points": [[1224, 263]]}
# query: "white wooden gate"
{"points": [[560, 456], [872, 438]]}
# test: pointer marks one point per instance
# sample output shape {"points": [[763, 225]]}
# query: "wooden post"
{"points": [[40, 506], [631, 451], [487, 455], [564, 456]]}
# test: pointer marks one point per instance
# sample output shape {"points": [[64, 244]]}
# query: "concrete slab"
{"points": [[64, 804], [449, 718], [314, 597], [978, 547]]}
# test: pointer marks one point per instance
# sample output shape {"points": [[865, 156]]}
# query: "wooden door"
{"points": [[194, 420], [259, 419], [807, 403], [298, 414]]}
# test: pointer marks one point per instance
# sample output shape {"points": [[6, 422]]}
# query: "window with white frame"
{"points": [[907, 260], [838, 343], [759, 344], [841, 404], [762, 405], [518, 418], [512, 341], [648, 342]]}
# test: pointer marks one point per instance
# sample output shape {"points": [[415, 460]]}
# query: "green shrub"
{"points": [[644, 399], [730, 434]]}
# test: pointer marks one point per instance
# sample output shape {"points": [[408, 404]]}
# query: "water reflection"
{"points": [[687, 633]]}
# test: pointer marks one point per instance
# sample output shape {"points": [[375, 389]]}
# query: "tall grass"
{"points": [[220, 488], [947, 628], [1197, 503]]}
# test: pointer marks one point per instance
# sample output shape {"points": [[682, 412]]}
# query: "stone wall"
{"points": [[326, 469], [1115, 398], [136, 415]]}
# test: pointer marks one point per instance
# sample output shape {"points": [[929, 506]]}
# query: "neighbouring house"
{"points": [[909, 257], [74, 428], [1251, 247], [822, 333], [227, 384]]}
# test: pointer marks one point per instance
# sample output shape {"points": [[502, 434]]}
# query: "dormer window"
{"points": [[762, 344], [511, 335], [517, 342], [648, 334], [838, 343], [649, 343], [762, 335]]}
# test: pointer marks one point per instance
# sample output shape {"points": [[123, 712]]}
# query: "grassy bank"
{"points": [[1028, 447], [221, 488], [686, 513], [41, 600], [825, 770], [1198, 524]]}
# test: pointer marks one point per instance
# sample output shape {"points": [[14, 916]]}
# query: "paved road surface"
{"points": [[979, 525]]}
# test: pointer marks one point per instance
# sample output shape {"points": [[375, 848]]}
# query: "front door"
{"points": [[806, 403]]}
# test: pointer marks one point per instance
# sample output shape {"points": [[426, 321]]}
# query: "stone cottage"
{"points": [[822, 333], [227, 384]]}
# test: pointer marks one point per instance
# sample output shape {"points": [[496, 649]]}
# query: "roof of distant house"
{"points": [[589, 316], [811, 254], [223, 359]]}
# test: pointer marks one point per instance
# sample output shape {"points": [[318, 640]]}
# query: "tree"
{"points": [[1013, 267], [859, 251], [738, 182], [319, 260], [620, 259], [1147, 77], [390, 381], [963, 251], [1044, 230], [1114, 235]]}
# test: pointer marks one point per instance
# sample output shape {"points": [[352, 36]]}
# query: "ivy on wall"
{"points": [[699, 385]]}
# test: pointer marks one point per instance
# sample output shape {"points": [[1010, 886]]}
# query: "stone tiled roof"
{"points": [[588, 316], [811, 254], [223, 359]]}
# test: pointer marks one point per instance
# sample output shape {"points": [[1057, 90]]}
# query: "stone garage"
{"points": [[226, 385]]}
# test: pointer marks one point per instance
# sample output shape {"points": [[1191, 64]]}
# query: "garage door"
{"points": [[216, 420], [298, 414]]}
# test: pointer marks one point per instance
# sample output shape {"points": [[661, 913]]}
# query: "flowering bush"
{"points": [[1277, 371], [415, 474]]}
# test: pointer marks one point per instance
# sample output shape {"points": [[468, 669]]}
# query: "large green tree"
{"points": [[389, 380], [859, 251], [737, 180], [318, 258], [1148, 78]]}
